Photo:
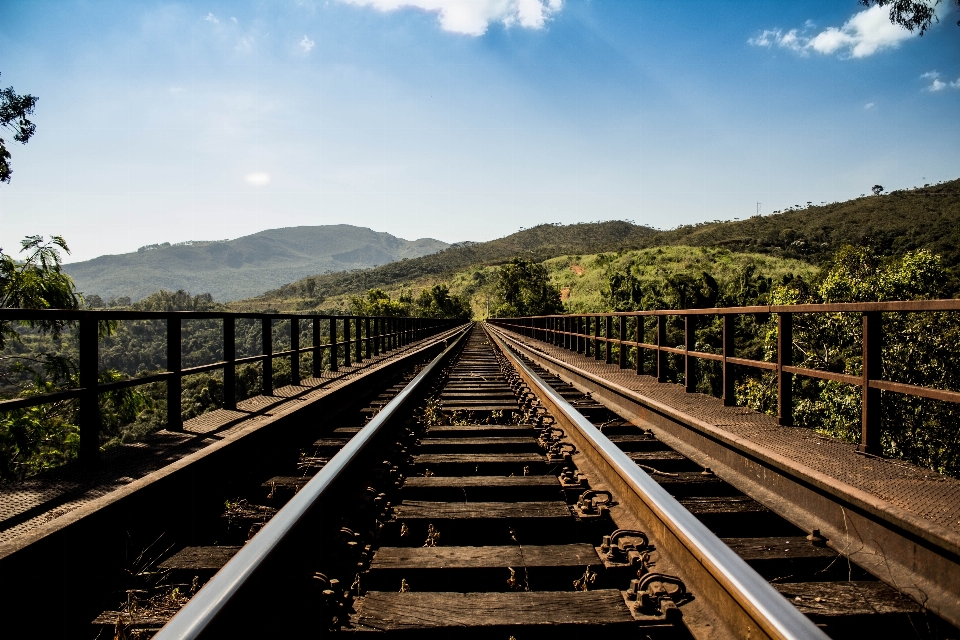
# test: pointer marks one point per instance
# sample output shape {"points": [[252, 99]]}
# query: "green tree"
{"points": [[437, 302], [37, 282], [14, 110], [911, 14], [377, 302], [524, 289]]}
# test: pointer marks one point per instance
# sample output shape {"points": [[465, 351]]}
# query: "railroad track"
{"points": [[487, 498]]}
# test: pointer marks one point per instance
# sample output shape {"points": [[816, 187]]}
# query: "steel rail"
{"points": [[773, 614], [197, 615]]}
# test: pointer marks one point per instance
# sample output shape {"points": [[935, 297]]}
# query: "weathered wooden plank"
{"points": [[199, 558], [655, 456], [723, 505], [558, 555], [473, 431], [286, 482], [487, 445], [331, 442], [481, 481], [779, 548], [436, 610], [833, 599], [477, 458], [138, 620], [422, 510]]}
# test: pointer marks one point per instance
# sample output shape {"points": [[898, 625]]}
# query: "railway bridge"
{"points": [[421, 477]]}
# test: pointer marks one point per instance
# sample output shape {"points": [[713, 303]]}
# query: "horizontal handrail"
{"points": [[352, 339], [593, 334]]}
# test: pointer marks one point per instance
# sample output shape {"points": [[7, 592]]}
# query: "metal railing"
{"points": [[594, 334], [370, 336]]}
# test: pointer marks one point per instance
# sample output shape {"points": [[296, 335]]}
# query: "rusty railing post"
{"points": [[872, 370], [729, 395], [334, 356], [346, 341], [596, 338], [295, 348], [229, 357], [640, 354], [89, 402], [317, 351], [689, 362], [266, 336], [175, 382], [784, 359], [661, 354], [587, 321], [376, 337], [358, 348], [608, 344], [622, 349]]}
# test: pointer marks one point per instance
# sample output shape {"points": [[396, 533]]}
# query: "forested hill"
{"points": [[927, 217], [922, 218], [245, 267], [537, 243]]}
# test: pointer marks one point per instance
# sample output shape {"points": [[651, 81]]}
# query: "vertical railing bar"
{"points": [[295, 348], [174, 365], [661, 354], [317, 350], [621, 350], [689, 363], [89, 402], [266, 338], [784, 359], [230, 357], [729, 399], [872, 346]]}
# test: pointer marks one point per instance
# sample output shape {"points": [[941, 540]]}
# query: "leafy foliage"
{"points": [[911, 14], [914, 429], [14, 110], [524, 289]]}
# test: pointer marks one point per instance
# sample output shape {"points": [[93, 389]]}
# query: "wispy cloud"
{"points": [[866, 33], [176, 90], [473, 17], [869, 105], [306, 44], [936, 84], [257, 179], [212, 18]]}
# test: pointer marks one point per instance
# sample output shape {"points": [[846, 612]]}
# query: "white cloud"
{"points": [[869, 105], [937, 85], [212, 18], [176, 89], [955, 84], [930, 75], [472, 17], [258, 179], [306, 44], [866, 33], [234, 19]]}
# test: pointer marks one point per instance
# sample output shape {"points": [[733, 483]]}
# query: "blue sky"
{"points": [[460, 119]]}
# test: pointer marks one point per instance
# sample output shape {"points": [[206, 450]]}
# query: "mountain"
{"points": [[537, 243], [927, 217], [245, 267]]}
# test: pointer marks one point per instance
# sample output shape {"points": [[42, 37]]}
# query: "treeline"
{"points": [[890, 224], [918, 348]]}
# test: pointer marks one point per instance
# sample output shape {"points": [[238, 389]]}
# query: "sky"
{"points": [[460, 119]]}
